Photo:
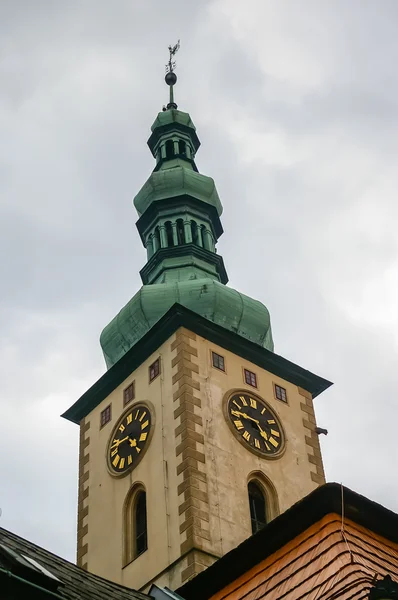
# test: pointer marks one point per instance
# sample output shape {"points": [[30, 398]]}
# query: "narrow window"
{"points": [[202, 234], [140, 526], [154, 370], [129, 393], [135, 530], [195, 237], [218, 361], [181, 148], [258, 510], [105, 416], [169, 149], [280, 393], [156, 239], [250, 378], [169, 234], [180, 232]]}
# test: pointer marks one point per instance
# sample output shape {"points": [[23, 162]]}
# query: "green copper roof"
{"points": [[176, 181], [210, 299], [173, 116]]}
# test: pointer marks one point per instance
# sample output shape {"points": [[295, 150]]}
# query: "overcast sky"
{"points": [[295, 103]]}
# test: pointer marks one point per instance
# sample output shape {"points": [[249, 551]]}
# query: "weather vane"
{"points": [[171, 77]]}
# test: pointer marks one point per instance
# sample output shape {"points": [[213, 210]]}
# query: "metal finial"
{"points": [[171, 77]]}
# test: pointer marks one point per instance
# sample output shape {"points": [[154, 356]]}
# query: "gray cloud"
{"points": [[296, 109]]}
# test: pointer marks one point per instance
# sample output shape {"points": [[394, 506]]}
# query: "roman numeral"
{"points": [[142, 416], [121, 464], [116, 460], [239, 425], [253, 403], [243, 400], [122, 428], [129, 418], [143, 437], [145, 425], [246, 435]]}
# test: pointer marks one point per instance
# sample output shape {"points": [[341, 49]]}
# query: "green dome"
{"points": [[210, 299], [177, 181], [169, 117]]}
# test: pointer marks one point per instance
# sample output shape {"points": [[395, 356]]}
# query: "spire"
{"points": [[179, 224], [171, 77]]}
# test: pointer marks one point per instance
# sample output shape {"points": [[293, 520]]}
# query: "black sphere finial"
{"points": [[171, 78]]}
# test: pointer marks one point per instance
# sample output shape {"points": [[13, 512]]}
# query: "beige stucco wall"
{"points": [[229, 463], [156, 471], [227, 467]]}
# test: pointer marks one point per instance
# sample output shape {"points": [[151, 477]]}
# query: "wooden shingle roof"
{"points": [[324, 562], [332, 544]]}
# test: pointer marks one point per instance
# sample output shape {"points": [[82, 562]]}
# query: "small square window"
{"points": [[154, 370], [250, 378], [218, 361], [129, 393], [105, 416], [280, 393]]}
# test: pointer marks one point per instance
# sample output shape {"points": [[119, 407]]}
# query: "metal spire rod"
{"points": [[171, 77]]}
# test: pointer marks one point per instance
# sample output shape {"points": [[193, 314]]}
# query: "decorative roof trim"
{"points": [[179, 316], [189, 251]]}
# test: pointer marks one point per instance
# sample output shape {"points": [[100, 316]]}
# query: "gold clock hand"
{"points": [[262, 432], [117, 443], [245, 416]]}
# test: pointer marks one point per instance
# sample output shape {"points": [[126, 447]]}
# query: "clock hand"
{"points": [[117, 443], [245, 416], [262, 432]]}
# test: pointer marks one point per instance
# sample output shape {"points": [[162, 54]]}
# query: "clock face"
{"points": [[130, 439], [255, 425]]}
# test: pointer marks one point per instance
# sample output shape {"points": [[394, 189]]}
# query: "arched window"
{"points": [[258, 506], [135, 524], [156, 240], [182, 148], [169, 234], [195, 237], [169, 149], [203, 236], [180, 232]]}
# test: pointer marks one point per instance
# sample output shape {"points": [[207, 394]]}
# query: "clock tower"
{"points": [[198, 434]]}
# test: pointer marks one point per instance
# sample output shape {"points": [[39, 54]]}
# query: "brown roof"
{"points": [[310, 551], [326, 561], [75, 583]]}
